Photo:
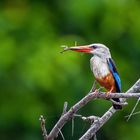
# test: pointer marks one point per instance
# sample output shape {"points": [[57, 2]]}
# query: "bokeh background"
{"points": [[36, 79]]}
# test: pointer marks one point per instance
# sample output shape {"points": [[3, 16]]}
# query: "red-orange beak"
{"points": [[85, 49]]}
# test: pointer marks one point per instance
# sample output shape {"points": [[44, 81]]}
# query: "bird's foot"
{"points": [[107, 95], [97, 91]]}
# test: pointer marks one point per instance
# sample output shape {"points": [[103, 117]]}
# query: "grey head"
{"points": [[100, 50], [96, 49]]}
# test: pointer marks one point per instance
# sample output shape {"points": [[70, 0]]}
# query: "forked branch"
{"points": [[68, 115], [97, 125]]}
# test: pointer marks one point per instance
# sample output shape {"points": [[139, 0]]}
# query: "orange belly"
{"points": [[108, 82]]}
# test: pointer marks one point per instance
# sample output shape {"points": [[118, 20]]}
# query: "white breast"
{"points": [[99, 67]]}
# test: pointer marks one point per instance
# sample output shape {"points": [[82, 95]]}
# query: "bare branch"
{"points": [[98, 124], [119, 103], [136, 113], [65, 108], [42, 123], [117, 95], [61, 134], [72, 128], [136, 88], [68, 115], [133, 110], [95, 138], [93, 86], [90, 119]]}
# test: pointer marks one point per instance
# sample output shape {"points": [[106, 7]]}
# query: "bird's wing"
{"points": [[115, 74]]}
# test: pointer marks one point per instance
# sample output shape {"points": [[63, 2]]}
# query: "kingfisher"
{"points": [[103, 68]]}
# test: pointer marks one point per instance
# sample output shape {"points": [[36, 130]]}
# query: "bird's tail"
{"points": [[117, 107]]}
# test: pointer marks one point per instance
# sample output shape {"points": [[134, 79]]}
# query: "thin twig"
{"points": [[61, 134], [72, 127], [133, 110], [65, 108], [93, 86], [42, 123], [136, 113], [118, 103], [90, 119], [78, 115], [95, 138]]}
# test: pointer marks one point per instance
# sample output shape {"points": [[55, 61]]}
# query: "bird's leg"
{"points": [[96, 92], [110, 91]]}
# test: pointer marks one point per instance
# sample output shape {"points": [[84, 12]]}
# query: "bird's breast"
{"points": [[102, 73], [108, 82], [99, 67]]}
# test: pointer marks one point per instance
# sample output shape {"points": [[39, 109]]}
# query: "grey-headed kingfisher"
{"points": [[103, 68]]}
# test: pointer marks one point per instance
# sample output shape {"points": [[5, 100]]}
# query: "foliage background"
{"points": [[36, 79]]}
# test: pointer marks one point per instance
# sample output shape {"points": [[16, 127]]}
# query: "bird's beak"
{"points": [[85, 48]]}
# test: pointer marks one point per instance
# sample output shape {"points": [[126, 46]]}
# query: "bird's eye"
{"points": [[93, 46]]}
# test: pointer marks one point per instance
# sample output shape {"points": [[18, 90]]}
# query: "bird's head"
{"points": [[97, 49]]}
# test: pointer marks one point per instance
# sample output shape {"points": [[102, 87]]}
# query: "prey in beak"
{"points": [[85, 49]]}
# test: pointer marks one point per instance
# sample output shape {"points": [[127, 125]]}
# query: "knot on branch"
{"points": [[91, 119]]}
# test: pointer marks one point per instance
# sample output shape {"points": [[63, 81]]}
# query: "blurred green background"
{"points": [[36, 79]]}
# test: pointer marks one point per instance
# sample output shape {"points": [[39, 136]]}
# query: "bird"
{"points": [[103, 68]]}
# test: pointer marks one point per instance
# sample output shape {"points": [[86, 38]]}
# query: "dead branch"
{"points": [[119, 103], [42, 123], [65, 108], [90, 119], [69, 115], [132, 112], [66, 116], [97, 125]]}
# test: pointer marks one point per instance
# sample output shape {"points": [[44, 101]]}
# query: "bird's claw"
{"points": [[97, 91], [107, 94]]}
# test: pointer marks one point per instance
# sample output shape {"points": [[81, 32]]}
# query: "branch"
{"points": [[98, 124], [42, 124], [116, 95], [132, 112], [69, 115], [119, 103], [65, 108], [90, 119], [66, 116]]}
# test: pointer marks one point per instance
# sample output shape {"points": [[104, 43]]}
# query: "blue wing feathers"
{"points": [[117, 79], [116, 76]]}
